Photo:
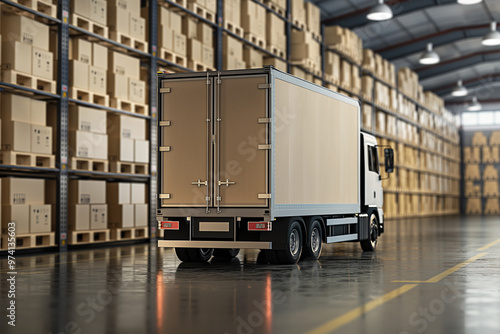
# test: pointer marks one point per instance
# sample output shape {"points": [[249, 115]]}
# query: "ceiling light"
{"points": [[380, 12], [460, 90], [474, 106], [429, 57], [469, 2], [493, 37]]}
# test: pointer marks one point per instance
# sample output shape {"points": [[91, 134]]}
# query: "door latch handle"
{"points": [[226, 183], [200, 183]]}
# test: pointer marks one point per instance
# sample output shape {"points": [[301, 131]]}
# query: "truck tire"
{"points": [[194, 254], [314, 243], [370, 244], [226, 253], [293, 251]]}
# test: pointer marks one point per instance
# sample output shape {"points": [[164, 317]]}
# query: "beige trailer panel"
{"points": [[316, 148]]}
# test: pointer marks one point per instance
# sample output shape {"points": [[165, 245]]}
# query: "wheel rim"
{"points": [[294, 242], [204, 251], [373, 232], [315, 241]]}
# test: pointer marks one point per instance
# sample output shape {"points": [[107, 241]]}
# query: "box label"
{"points": [[19, 199], [85, 198], [85, 126]]}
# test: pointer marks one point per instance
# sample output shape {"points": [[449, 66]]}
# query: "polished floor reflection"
{"points": [[419, 281]]}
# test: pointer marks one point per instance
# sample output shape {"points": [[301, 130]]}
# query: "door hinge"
{"points": [[165, 123], [226, 183], [264, 120], [199, 183], [264, 147], [164, 196], [265, 86], [165, 149], [165, 90], [264, 196]]}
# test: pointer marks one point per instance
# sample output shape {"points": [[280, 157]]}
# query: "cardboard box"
{"points": [[175, 22], [232, 12], [16, 136], [121, 216], [121, 149], [141, 151], [279, 64], [275, 32], [208, 55], [99, 56], [98, 11], [211, 5], [79, 217], [179, 43], [88, 145], [16, 56], [163, 17], [87, 119], [252, 57], [87, 192], [43, 64], [78, 74], [195, 50], [189, 27], [98, 216], [205, 34], [16, 108], [41, 139], [20, 191], [165, 38], [40, 218], [118, 86], [126, 127], [138, 193], [124, 65], [38, 112], [253, 18], [25, 30], [20, 214], [141, 215], [137, 26], [119, 20], [80, 7], [97, 80], [80, 50], [100, 147], [298, 11], [136, 90], [118, 193], [133, 6]]}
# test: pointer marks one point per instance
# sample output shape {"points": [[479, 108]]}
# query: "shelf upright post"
{"points": [[323, 54], [153, 96], [218, 35], [62, 132], [288, 35]]}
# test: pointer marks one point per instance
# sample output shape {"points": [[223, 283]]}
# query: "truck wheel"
{"points": [[370, 244], [314, 244], [226, 253], [293, 246], [194, 254]]}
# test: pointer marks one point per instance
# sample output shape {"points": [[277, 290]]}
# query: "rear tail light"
{"points": [[169, 225], [260, 226]]}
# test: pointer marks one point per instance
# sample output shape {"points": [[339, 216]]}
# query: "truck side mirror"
{"points": [[389, 160]]}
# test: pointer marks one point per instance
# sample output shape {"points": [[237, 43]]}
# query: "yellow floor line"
{"points": [[450, 271], [491, 244]]}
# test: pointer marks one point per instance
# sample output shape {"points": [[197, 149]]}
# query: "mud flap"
{"points": [[363, 227]]}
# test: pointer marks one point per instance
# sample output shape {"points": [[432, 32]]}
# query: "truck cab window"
{"points": [[373, 164]]}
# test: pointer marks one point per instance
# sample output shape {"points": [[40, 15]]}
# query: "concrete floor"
{"points": [[142, 289]]}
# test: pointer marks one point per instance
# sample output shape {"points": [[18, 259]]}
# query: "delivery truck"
{"points": [[260, 159]]}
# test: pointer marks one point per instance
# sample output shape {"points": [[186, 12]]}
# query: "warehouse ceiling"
{"points": [[455, 30]]}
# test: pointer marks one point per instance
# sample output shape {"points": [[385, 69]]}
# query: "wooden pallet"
{"points": [[89, 25], [43, 7], [88, 96], [173, 57], [27, 159], [129, 41], [182, 3], [124, 105], [129, 233], [34, 240], [28, 80], [332, 79], [298, 23], [203, 12], [276, 51], [260, 42], [237, 30], [199, 67], [129, 167], [92, 165], [278, 9], [87, 237]]}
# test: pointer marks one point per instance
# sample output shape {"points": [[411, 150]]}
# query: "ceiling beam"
{"points": [[472, 83], [399, 7]]}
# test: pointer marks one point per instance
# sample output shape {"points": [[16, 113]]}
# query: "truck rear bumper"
{"points": [[215, 244]]}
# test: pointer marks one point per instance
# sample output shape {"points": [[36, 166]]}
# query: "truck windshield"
{"points": [[373, 164]]}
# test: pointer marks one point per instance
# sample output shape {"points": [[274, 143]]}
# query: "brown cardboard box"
{"points": [[98, 11], [195, 50], [180, 43], [165, 38], [16, 136], [205, 34], [163, 17], [16, 56], [78, 74], [208, 56], [124, 65], [99, 56], [232, 52], [118, 193], [175, 22], [87, 192], [313, 15], [298, 11], [252, 57], [141, 151], [20, 214], [121, 149], [20, 191], [100, 147], [211, 5], [137, 27], [98, 216], [275, 31], [141, 215], [136, 90], [97, 80], [80, 144], [133, 6], [118, 86], [87, 119], [40, 218], [121, 215], [81, 50], [80, 7], [25, 30], [138, 193], [278, 64], [16, 108], [38, 112], [126, 127], [232, 12], [119, 20], [43, 63], [41, 139], [79, 217], [189, 27], [253, 18]]}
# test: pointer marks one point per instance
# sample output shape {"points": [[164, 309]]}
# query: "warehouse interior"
{"points": [[80, 162]]}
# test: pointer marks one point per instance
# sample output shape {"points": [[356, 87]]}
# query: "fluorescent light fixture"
{"points": [[460, 90], [469, 2], [429, 57], [475, 105], [380, 12], [493, 37]]}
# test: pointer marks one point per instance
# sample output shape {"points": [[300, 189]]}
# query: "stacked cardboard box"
{"points": [[306, 51], [252, 57], [408, 83], [277, 63], [88, 66], [206, 5], [232, 17], [345, 42], [87, 136], [313, 19], [91, 14], [23, 202], [253, 21], [434, 103], [232, 53], [367, 116], [367, 87], [125, 22], [24, 125], [127, 205], [384, 70], [124, 81], [298, 12], [127, 139], [200, 51], [332, 67], [275, 33], [369, 61], [25, 48], [170, 36], [87, 205]]}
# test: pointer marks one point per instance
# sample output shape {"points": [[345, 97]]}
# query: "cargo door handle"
{"points": [[226, 183], [199, 183]]}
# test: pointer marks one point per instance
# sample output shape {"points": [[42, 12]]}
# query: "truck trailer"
{"points": [[260, 159]]}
